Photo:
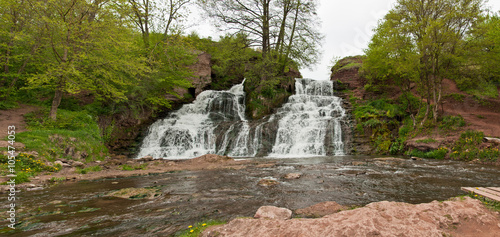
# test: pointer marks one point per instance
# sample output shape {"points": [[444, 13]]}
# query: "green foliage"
{"points": [[397, 147], [77, 130], [457, 97], [88, 169], [435, 154], [347, 63], [468, 147], [136, 167], [426, 141], [451, 123], [26, 166], [193, 231]]}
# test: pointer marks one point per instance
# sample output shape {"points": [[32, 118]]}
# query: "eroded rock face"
{"points": [[450, 218], [273, 213]]}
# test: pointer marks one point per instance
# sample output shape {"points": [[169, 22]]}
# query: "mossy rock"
{"points": [[136, 193]]}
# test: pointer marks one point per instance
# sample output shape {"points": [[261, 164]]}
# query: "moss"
{"points": [[347, 63]]}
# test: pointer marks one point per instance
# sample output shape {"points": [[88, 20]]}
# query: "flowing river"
{"points": [[188, 197]]}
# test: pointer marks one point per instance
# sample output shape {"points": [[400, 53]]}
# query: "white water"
{"points": [[304, 121], [215, 123]]}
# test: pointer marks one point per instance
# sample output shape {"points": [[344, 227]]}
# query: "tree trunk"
{"points": [[55, 104], [291, 37], [265, 28]]}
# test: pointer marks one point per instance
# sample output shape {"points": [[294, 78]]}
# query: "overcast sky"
{"points": [[346, 25]]}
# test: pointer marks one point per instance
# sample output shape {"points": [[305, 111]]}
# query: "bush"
{"points": [[467, 147], [435, 154]]}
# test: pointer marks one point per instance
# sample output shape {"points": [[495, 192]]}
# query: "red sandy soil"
{"points": [[485, 118], [13, 117]]}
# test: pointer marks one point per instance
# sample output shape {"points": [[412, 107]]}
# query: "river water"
{"points": [[187, 197]]}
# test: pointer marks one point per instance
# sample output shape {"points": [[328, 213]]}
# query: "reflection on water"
{"points": [[192, 196]]}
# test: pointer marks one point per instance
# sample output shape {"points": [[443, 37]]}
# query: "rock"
{"points": [[114, 182], [267, 182], [63, 164], [378, 219], [416, 158], [358, 163], [136, 193], [274, 213], [55, 202], [320, 209], [146, 158], [35, 189], [31, 185], [78, 164], [425, 147], [293, 176], [492, 140], [353, 173], [390, 159], [211, 158]]}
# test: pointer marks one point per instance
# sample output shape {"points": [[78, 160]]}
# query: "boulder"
{"points": [[293, 176], [78, 164], [274, 213], [320, 209]]}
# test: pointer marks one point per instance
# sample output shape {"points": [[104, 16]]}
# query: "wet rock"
{"points": [[353, 173], [136, 193], [358, 163], [211, 158], [268, 182], [293, 176], [274, 213], [390, 159], [35, 189], [320, 210]]}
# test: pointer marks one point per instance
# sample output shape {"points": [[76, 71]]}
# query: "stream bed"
{"points": [[188, 197]]}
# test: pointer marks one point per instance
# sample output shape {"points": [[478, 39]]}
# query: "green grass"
{"points": [[76, 130], [467, 147], [89, 169], [26, 166], [435, 154], [135, 167], [490, 204], [195, 230], [426, 141]]}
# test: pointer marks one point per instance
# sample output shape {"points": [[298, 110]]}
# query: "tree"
{"points": [[281, 28], [155, 16], [86, 47], [436, 31]]}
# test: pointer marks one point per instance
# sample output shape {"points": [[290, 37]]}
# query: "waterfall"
{"points": [[309, 124]]}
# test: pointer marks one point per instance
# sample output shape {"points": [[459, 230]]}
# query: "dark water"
{"points": [[193, 196]]}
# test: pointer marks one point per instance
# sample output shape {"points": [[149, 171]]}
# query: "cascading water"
{"points": [[308, 125], [306, 121]]}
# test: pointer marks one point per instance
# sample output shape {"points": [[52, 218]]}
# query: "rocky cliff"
{"points": [[128, 127]]}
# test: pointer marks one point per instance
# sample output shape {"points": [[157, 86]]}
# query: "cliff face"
{"points": [[128, 128], [345, 76]]}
